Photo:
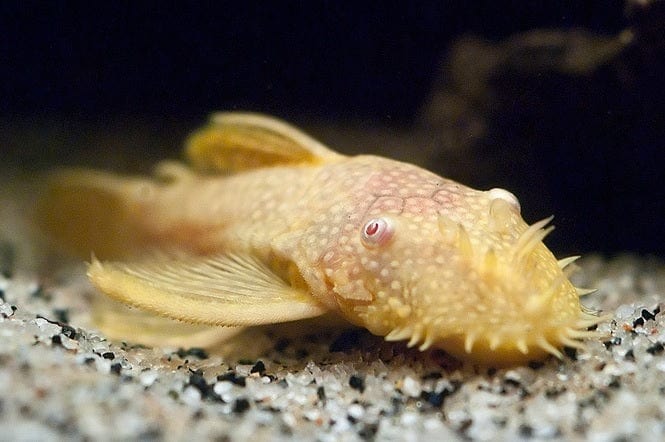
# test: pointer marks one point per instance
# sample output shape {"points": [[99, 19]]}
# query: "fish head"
{"points": [[456, 268]]}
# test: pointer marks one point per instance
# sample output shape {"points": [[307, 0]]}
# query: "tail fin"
{"points": [[85, 211]]}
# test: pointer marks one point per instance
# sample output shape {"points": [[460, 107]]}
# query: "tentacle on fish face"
{"points": [[475, 341], [532, 237]]}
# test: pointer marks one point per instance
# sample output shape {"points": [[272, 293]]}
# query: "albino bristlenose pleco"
{"points": [[265, 225]]}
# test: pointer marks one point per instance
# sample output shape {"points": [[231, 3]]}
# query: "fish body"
{"points": [[285, 229]]}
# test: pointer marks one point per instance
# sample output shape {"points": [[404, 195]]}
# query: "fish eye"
{"points": [[503, 194], [377, 232]]}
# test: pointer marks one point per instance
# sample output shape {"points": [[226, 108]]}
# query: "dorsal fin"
{"points": [[235, 141]]}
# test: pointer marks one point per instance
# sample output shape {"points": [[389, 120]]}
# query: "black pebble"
{"points": [[656, 349], [198, 352], [240, 405], [357, 383], [232, 377], [321, 393], [193, 351], [433, 398], [639, 322], [69, 332], [647, 315], [56, 340], [259, 368], [397, 403], [197, 381], [614, 383], [611, 342], [368, 431], [108, 355], [555, 391], [115, 368], [526, 431]]}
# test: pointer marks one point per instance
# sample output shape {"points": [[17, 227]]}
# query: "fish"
{"points": [[263, 224]]}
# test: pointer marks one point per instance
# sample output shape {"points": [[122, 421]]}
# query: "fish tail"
{"points": [[84, 212]]}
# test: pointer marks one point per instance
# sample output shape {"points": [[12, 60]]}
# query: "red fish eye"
{"points": [[371, 228], [377, 232]]}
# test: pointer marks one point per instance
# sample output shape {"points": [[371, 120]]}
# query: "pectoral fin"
{"points": [[123, 323], [229, 290], [235, 141]]}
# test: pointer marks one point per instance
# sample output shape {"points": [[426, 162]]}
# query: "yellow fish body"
{"points": [[268, 225]]}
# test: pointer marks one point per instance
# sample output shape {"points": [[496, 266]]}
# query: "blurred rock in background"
{"points": [[567, 119]]}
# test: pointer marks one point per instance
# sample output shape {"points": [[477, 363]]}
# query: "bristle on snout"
{"points": [[531, 237]]}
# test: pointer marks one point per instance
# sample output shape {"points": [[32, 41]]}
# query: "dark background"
{"points": [[114, 65], [334, 59]]}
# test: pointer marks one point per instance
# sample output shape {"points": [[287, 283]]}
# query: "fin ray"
{"points": [[120, 322], [235, 141], [228, 290]]}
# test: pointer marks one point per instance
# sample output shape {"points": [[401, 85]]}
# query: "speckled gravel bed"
{"points": [[60, 379]]}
